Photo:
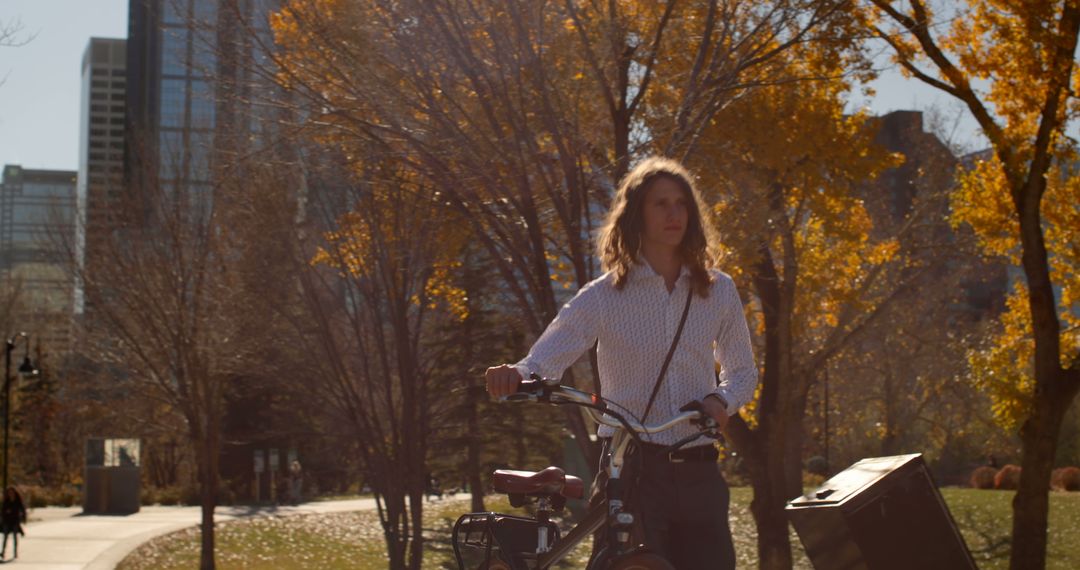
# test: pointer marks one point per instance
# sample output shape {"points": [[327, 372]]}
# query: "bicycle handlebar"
{"points": [[539, 389]]}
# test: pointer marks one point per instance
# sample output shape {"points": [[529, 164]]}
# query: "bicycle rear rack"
{"points": [[513, 538]]}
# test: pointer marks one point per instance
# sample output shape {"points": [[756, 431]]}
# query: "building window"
{"points": [[200, 145], [202, 105], [174, 46], [172, 102], [170, 154], [206, 12], [175, 12], [204, 54]]}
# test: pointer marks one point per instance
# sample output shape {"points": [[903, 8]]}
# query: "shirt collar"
{"points": [[642, 270]]}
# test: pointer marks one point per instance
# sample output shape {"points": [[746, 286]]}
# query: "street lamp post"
{"points": [[27, 370]]}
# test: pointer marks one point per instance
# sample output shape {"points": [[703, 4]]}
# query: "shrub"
{"points": [[983, 477], [165, 496], [35, 497], [190, 495], [1065, 479], [1008, 478], [63, 496], [68, 497]]}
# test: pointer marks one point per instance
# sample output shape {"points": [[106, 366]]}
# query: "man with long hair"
{"points": [[658, 251]]}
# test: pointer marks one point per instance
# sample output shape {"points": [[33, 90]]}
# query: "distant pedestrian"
{"points": [[12, 517], [296, 482]]}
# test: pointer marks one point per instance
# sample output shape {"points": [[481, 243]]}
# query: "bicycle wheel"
{"points": [[640, 561]]}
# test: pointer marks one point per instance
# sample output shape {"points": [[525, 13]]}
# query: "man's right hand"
{"points": [[502, 380]]}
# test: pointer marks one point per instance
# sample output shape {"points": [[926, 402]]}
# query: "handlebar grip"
{"points": [[528, 386]]}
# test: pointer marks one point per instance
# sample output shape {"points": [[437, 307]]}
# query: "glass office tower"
{"points": [[189, 80], [37, 210]]}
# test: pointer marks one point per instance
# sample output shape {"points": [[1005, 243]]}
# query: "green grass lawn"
{"points": [[354, 540]]}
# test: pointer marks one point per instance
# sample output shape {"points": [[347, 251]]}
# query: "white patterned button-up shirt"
{"points": [[635, 328]]}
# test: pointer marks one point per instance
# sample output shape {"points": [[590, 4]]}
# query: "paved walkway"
{"points": [[64, 539]]}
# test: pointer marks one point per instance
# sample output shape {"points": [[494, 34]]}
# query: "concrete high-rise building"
{"points": [[37, 228], [101, 147]]}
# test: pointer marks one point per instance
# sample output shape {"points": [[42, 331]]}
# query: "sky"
{"points": [[39, 97]]}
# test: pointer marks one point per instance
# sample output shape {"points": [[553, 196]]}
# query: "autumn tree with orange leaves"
{"points": [[381, 279], [524, 116], [1020, 199], [521, 117], [789, 166]]}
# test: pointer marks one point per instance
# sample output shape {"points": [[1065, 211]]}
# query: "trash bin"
{"points": [[879, 514], [111, 479]]}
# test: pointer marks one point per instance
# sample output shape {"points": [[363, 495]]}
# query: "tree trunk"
{"points": [[889, 441], [472, 457], [472, 460], [208, 497], [392, 527], [772, 478], [774, 546], [472, 398], [416, 543], [1055, 387], [206, 556], [1040, 438], [763, 455]]}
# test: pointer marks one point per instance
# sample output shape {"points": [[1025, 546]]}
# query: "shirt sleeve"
{"points": [[734, 353], [573, 331]]}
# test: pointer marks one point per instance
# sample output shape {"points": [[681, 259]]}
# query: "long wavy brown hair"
{"points": [[620, 238]]}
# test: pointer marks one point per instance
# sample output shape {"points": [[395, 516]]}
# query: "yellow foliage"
{"points": [[442, 287], [388, 236], [562, 270], [1007, 50], [1003, 367], [981, 200]]}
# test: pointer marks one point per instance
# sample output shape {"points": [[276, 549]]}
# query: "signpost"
{"points": [[259, 468], [273, 472]]}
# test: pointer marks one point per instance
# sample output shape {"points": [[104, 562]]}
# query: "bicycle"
{"points": [[511, 542]]}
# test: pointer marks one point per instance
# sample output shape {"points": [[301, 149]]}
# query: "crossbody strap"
{"points": [[670, 353]]}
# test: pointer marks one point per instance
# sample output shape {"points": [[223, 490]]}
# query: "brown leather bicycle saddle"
{"points": [[550, 481]]}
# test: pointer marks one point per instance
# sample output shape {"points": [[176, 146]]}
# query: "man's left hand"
{"points": [[715, 407]]}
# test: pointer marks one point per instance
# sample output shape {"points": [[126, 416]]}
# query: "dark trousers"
{"points": [[682, 509]]}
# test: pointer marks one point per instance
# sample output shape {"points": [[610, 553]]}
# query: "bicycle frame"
{"points": [[610, 511]]}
